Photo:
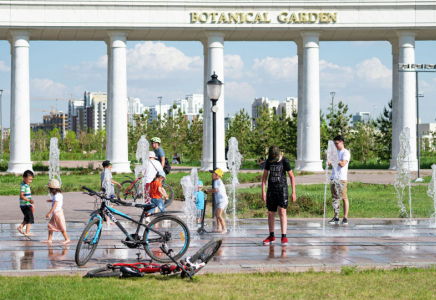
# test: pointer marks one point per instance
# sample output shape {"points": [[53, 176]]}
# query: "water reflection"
{"points": [[282, 251]]}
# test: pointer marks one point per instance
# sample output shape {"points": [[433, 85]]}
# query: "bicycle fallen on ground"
{"points": [[165, 234], [186, 267]]}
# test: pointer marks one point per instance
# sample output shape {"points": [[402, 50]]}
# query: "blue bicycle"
{"points": [[164, 231]]}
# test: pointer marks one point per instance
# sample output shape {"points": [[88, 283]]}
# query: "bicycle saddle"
{"points": [[130, 272], [145, 206]]}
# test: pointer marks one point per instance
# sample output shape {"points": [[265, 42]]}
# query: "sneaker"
{"points": [[334, 221], [345, 221], [269, 240], [285, 241]]}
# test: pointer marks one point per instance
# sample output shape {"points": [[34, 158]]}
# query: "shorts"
{"points": [[199, 213], [277, 197], [343, 193], [28, 214], [222, 205], [159, 203]]}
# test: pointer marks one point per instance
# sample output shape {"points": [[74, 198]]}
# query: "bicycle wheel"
{"points": [[170, 193], [104, 272], [206, 252], [127, 192], [176, 238], [85, 247]]}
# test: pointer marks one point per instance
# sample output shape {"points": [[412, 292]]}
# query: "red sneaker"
{"points": [[269, 240], [285, 241]]}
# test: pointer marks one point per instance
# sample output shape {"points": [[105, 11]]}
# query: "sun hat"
{"points": [[218, 171], [200, 183], [162, 173], [106, 163], [151, 154], [53, 184], [273, 153]]}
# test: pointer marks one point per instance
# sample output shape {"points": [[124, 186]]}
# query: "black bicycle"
{"points": [[164, 231], [130, 191]]}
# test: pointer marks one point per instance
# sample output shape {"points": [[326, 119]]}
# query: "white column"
{"points": [[311, 141], [206, 162], [406, 92], [117, 102], [108, 118], [395, 105], [20, 105], [300, 113], [215, 44]]}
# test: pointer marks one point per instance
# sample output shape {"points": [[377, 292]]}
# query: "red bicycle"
{"points": [[130, 191], [186, 267]]}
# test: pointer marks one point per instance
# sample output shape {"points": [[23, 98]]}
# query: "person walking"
{"points": [[276, 198], [339, 189], [26, 203], [56, 213]]}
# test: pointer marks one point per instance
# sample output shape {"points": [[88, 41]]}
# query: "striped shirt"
{"points": [[25, 188]]}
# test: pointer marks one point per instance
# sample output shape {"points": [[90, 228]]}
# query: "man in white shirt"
{"points": [[338, 187]]}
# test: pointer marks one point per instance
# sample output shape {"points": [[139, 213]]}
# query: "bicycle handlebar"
{"points": [[101, 195]]}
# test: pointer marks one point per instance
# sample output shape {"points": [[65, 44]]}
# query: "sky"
{"points": [[359, 73]]}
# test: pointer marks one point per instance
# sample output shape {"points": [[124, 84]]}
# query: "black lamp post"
{"points": [[214, 87]]}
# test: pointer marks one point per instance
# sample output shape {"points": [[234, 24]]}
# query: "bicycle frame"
{"points": [[111, 212]]}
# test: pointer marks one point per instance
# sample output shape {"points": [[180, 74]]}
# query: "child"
{"points": [[26, 203], [57, 221], [199, 202], [221, 198], [156, 192], [276, 198], [107, 167]]}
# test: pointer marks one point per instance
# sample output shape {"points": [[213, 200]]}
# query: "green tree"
{"points": [[289, 136], [70, 141], [267, 132], [383, 135], [325, 133], [339, 121], [362, 141], [240, 128], [195, 139]]}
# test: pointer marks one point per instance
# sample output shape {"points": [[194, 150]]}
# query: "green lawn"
{"points": [[403, 283], [366, 201]]}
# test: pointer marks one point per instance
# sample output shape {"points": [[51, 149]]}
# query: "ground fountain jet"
{"points": [[234, 164], [190, 187], [431, 192], [333, 159], [403, 178], [143, 158], [53, 162]]}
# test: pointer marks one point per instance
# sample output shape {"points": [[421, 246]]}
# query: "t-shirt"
{"points": [[221, 195], [342, 171], [59, 198], [154, 189], [277, 173], [152, 168], [25, 188], [159, 154], [200, 199]]}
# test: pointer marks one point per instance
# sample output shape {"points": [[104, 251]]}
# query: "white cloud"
{"points": [[47, 88], [238, 93], [233, 66], [374, 72], [3, 67], [150, 60], [277, 68]]}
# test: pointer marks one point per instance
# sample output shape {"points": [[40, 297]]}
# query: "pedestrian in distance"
{"points": [[339, 189], [221, 198], [199, 202], [56, 213], [26, 203], [276, 197]]}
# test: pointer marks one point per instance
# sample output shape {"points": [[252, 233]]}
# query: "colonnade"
{"points": [[308, 139]]}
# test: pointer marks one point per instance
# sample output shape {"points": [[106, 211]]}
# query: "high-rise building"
{"points": [[361, 116], [135, 107], [190, 106], [274, 106], [73, 107], [59, 120]]}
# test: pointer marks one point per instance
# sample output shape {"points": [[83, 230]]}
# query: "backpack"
{"points": [[167, 166]]}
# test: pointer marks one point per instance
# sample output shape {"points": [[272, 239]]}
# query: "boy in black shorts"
{"points": [[277, 195]]}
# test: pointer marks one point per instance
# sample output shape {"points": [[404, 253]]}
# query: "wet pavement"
{"points": [[366, 243]]}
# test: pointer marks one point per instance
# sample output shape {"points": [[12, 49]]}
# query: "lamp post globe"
{"points": [[214, 87]]}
